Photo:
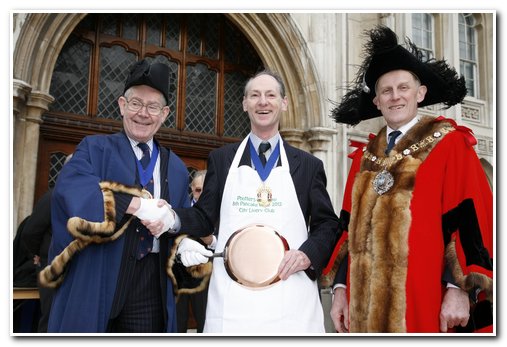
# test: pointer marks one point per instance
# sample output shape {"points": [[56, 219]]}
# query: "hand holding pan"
{"points": [[253, 254]]}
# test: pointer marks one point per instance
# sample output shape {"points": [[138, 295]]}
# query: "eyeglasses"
{"points": [[136, 106]]}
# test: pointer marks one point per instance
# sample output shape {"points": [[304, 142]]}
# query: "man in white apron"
{"points": [[289, 194]]}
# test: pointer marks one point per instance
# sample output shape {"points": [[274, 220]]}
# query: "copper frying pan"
{"points": [[253, 254]]}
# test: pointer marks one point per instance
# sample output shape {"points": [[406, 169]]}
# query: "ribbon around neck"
{"points": [[146, 175], [264, 171]]}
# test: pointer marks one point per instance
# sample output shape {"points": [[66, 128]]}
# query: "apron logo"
{"points": [[264, 195]]}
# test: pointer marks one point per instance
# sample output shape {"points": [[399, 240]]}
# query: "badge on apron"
{"points": [[264, 195]]}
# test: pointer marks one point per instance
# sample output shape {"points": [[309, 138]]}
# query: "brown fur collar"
{"points": [[187, 280], [378, 244], [87, 232]]}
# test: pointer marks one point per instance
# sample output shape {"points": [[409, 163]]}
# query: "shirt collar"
{"points": [[404, 128], [256, 141], [134, 143]]}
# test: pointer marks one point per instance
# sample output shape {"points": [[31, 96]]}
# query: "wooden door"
{"points": [[51, 158]]}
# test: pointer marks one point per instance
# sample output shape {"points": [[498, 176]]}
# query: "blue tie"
{"points": [[145, 237], [145, 161], [392, 140]]}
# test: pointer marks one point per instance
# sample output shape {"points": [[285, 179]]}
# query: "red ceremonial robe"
{"points": [[397, 240]]}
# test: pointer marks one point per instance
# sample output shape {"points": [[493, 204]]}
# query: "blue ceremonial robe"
{"points": [[83, 301]]}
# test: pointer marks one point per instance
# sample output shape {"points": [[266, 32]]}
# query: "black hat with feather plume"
{"points": [[384, 54]]}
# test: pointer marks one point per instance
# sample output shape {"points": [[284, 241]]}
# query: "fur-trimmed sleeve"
{"points": [[467, 221]]}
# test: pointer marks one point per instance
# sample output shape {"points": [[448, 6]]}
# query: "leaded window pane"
{"points": [[211, 36], [214, 45], [114, 67], [194, 34], [70, 78], [236, 121], [130, 26], [231, 44], [173, 29], [200, 110], [153, 28], [56, 162], [109, 24]]}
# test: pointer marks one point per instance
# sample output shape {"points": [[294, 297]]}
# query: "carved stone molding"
{"points": [[319, 138], [20, 92], [38, 102], [294, 137]]}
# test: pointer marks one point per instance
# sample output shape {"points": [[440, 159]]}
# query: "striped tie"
{"points": [[145, 237]]}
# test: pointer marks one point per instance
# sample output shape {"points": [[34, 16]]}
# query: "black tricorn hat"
{"points": [[155, 75], [384, 54]]}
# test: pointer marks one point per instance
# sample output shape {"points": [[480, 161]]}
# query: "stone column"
{"points": [[319, 139], [294, 137], [323, 145], [28, 108]]}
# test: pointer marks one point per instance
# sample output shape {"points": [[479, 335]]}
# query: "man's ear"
{"points": [[121, 103], [165, 112], [421, 93], [375, 102], [285, 104], [244, 104]]}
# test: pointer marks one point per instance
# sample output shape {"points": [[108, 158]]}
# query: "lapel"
{"points": [[127, 160], [246, 158], [293, 158], [164, 161]]}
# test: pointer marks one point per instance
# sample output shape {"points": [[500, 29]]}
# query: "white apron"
{"points": [[291, 306]]}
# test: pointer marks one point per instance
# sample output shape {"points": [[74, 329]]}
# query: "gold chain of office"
{"points": [[387, 162]]}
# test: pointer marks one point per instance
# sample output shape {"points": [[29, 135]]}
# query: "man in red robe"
{"points": [[417, 206]]}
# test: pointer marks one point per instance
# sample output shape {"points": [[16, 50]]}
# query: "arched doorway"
{"points": [[40, 41], [209, 60]]}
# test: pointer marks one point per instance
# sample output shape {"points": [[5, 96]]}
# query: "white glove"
{"points": [[149, 210], [192, 252]]}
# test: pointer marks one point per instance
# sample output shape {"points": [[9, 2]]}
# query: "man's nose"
{"points": [[263, 99]]}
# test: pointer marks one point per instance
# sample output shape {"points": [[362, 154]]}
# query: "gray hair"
{"points": [[267, 72]]}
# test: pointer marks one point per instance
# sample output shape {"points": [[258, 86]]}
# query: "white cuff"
{"points": [[339, 285], [213, 244], [177, 224]]}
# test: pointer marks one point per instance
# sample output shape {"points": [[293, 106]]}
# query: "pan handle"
{"points": [[215, 255]]}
